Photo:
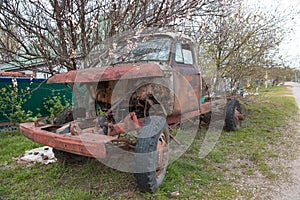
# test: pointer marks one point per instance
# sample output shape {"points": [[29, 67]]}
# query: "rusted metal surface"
{"points": [[87, 144], [40, 122], [125, 143], [142, 89], [238, 117], [113, 102], [162, 147], [16, 74], [205, 108], [110, 73], [187, 81], [172, 136], [130, 123]]}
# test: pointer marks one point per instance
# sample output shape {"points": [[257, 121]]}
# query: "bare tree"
{"points": [[49, 33], [61, 32]]}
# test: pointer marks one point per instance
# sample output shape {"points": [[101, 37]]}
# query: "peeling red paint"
{"points": [[110, 73], [87, 144]]}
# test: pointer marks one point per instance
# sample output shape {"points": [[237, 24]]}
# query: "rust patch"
{"points": [[97, 74]]}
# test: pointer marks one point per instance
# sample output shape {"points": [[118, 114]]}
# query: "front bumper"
{"points": [[85, 144]]}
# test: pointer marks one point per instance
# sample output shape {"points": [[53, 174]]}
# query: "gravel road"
{"points": [[291, 189]]}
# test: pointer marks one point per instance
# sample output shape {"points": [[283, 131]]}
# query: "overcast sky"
{"points": [[290, 47]]}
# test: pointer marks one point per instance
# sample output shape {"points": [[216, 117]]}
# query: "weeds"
{"points": [[226, 173]]}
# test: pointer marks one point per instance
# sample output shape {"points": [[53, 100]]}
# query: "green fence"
{"points": [[39, 91]]}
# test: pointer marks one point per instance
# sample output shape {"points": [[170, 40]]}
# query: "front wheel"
{"points": [[151, 154]]}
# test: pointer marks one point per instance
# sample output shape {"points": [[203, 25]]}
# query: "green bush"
{"points": [[55, 104], [12, 101]]}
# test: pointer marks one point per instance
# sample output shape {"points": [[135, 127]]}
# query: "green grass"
{"points": [[237, 155]]}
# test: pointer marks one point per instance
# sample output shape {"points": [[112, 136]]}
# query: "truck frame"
{"points": [[132, 97]]}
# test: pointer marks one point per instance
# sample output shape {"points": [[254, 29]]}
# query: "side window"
{"points": [[183, 54], [178, 53]]}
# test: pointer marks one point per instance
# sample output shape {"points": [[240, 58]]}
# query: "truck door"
{"points": [[187, 83]]}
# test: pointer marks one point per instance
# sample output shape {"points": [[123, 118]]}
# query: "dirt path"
{"points": [[291, 189]]}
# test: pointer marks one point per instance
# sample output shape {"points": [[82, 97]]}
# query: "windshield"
{"points": [[151, 48]]}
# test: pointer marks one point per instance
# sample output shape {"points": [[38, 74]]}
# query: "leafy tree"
{"points": [[237, 44]]}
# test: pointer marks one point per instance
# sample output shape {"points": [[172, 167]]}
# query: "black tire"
{"points": [[68, 158], [151, 168], [232, 122]]}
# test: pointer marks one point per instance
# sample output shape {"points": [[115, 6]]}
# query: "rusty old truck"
{"points": [[127, 104]]}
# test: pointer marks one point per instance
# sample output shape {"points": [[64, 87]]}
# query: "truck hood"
{"points": [[116, 72]]}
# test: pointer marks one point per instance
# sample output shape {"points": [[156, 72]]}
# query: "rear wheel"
{"points": [[151, 159], [233, 116]]}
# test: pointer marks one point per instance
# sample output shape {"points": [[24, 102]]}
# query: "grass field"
{"points": [[241, 165]]}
